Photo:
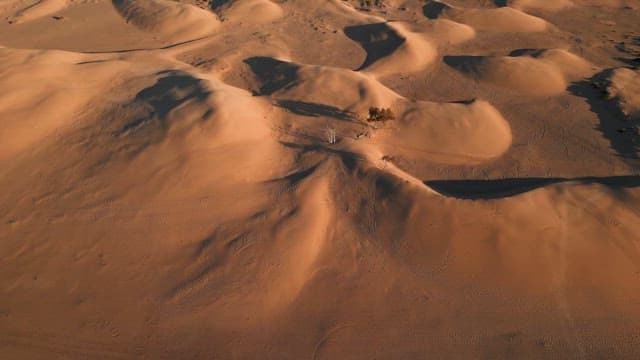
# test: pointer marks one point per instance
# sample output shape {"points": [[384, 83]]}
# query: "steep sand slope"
{"points": [[41, 89], [191, 181]]}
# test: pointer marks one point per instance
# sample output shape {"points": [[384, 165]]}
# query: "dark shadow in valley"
{"points": [[500, 3], [466, 64], [527, 52], [502, 188], [433, 9], [273, 74], [215, 4], [633, 62], [378, 40], [316, 110], [620, 132]]}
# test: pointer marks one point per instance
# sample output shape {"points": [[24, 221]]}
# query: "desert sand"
{"points": [[199, 179]]}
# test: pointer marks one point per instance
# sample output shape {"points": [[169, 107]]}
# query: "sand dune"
{"points": [[63, 90], [445, 32], [535, 72], [451, 133], [390, 47], [192, 179], [504, 19], [159, 16]]}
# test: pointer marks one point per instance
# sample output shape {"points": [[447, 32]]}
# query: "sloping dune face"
{"points": [[504, 19], [175, 21], [533, 72], [319, 179]]}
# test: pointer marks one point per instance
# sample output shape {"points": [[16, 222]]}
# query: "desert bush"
{"points": [[380, 114]]}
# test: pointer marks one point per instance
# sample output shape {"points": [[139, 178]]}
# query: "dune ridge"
{"points": [[391, 47], [503, 19], [160, 16], [534, 72]]}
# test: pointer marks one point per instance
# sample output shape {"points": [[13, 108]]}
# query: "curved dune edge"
{"points": [[392, 48], [433, 131], [446, 32], [504, 19], [177, 107], [536, 73], [160, 16]]}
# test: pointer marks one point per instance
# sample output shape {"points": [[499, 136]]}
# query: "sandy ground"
{"points": [[171, 188]]}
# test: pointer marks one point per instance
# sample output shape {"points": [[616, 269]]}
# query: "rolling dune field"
{"points": [[319, 179]]}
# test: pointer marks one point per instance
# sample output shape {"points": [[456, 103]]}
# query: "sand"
{"points": [[198, 180]]}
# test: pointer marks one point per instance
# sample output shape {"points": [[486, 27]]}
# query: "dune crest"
{"points": [[533, 72], [504, 19], [433, 131], [446, 32], [390, 47], [64, 89], [160, 16], [424, 129]]}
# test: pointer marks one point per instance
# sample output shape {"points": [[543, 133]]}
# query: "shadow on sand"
{"points": [[273, 74], [433, 9], [378, 40], [502, 188], [316, 110], [613, 123]]}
